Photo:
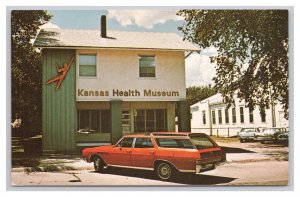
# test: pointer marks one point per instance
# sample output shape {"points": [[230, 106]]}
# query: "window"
{"points": [[203, 117], [220, 116], [87, 65], [233, 115], [213, 113], [263, 115], [201, 142], [125, 142], [242, 114], [147, 66], [226, 116], [149, 120], [143, 143], [251, 116], [174, 143], [96, 121]]}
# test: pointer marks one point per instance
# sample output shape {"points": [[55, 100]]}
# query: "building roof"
{"points": [[79, 38], [215, 99]]}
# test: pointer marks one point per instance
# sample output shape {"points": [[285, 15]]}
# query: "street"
{"points": [[247, 164]]}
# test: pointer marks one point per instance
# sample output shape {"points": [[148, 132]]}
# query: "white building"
{"points": [[110, 83], [212, 117]]}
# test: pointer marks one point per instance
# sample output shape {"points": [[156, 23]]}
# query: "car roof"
{"points": [[161, 134]]}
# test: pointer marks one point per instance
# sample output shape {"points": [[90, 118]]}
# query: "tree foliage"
{"points": [[26, 72], [195, 94], [252, 59]]}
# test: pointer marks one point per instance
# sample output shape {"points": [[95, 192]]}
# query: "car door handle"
{"points": [[151, 152], [128, 151]]}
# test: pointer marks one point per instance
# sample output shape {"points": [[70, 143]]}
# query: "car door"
{"points": [[120, 154], [143, 153]]}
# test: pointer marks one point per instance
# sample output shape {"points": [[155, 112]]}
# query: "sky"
{"points": [[199, 70]]}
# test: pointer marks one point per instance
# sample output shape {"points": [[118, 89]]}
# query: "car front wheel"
{"points": [[99, 165], [165, 171]]}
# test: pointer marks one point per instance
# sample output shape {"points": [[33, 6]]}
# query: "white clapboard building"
{"points": [[211, 116]]}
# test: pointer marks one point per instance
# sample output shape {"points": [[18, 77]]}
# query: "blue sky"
{"points": [[199, 70], [90, 19]]}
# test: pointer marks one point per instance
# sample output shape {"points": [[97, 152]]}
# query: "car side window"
{"points": [[125, 143], [143, 143]]}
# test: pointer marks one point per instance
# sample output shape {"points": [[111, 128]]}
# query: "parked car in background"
{"points": [[166, 153], [275, 135], [249, 134]]}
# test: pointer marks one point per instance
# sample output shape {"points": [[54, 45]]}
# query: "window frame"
{"points": [[233, 110], [251, 116], [136, 139], [220, 117], [242, 115], [119, 143], [213, 115], [204, 117], [139, 70], [96, 65], [155, 122], [90, 111], [226, 116], [263, 115]]}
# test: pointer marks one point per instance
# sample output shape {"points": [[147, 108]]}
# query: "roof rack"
{"points": [[169, 134]]}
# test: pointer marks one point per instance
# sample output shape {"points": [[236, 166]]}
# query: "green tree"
{"points": [[195, 94], [26, 75], [252, 59]]}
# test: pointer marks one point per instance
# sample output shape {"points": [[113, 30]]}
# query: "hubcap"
{"points": [[164, 171]]}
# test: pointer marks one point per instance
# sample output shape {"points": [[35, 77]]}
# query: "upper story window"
{"points": [[87, 65], [146, 66]]}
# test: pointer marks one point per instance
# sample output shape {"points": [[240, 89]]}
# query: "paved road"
{"points": [[248, 164], [235, 173]]}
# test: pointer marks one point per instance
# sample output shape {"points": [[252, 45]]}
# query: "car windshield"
{"points": [[202, 142], [174, 143], [248, 130]]}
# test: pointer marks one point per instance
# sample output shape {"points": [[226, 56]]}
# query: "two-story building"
{"points": [[98, 85], [212, 116]]}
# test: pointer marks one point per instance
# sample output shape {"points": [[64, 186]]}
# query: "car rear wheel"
{"points": [[165, 171], [99, 165]]}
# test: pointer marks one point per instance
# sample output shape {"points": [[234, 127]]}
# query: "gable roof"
{"points": [[79, 38], [214, 99]]}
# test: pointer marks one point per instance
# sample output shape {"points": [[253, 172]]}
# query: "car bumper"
{"points": [[208, 164]]}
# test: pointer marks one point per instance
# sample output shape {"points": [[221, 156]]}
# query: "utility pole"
{"points": [[209, 115]]}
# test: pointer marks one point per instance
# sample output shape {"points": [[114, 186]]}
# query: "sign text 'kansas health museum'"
{"points": [[126, 93]]}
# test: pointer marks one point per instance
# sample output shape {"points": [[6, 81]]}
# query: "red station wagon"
{"points": [[167, 153]]}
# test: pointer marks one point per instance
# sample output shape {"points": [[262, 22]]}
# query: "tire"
{"points": [[165, 171], [242, 141], [99, 165]]}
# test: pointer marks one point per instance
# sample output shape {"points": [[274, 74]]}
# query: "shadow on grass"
{"points": [[182, 178]]}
